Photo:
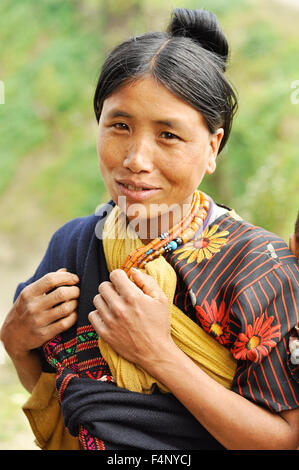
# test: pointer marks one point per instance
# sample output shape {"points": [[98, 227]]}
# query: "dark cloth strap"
{"points": [[127, 420]]}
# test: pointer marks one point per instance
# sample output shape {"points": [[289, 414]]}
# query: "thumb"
{"points": [[61, 269], [146, 283]]}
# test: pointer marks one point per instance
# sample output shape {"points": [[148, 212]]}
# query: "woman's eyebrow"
{"points": [[172, 123], [118, 113]]}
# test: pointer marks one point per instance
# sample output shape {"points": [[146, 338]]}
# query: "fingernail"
{"points": [[135, 270]]}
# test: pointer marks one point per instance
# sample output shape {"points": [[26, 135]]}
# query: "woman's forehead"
{"points": [[149, 97]]}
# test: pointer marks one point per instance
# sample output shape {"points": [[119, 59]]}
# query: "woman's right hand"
{"points": [[44, 309]]}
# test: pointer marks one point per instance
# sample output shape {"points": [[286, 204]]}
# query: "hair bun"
{"points": [[201, 26]]}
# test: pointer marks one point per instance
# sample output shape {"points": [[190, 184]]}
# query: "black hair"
{"points": [[189, 59]]}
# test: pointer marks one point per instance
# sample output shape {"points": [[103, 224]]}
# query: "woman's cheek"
{"points": [[108, 154]]}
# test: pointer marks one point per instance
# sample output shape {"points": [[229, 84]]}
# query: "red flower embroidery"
{"points": [[214, 320], [257, 340]]}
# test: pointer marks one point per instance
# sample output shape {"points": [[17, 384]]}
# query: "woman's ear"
{"points": [[215, 141]]}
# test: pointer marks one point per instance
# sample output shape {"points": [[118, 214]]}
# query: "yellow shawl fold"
{"points": [[45, 417], [213, 358]]}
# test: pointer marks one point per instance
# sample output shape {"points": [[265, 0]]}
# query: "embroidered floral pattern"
{"points": [[257, 341], [214, 320], [204, 246], [89, 442]]}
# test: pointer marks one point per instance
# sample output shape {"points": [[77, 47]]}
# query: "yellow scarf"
{"points": [[213, 358]]}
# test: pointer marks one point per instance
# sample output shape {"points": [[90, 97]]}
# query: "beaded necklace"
{"points": [[179, 234]]}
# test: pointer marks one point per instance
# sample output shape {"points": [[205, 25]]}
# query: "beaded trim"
{"points": [[169, 241]]}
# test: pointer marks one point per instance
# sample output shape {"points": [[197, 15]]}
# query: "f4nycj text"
{"points": [[153, 459]]}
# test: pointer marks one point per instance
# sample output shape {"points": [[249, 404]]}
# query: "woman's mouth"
{"points": [[134, 188], [138, 193]]}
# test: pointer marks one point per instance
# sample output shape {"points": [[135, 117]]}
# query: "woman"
{"points": [[189, 351]]}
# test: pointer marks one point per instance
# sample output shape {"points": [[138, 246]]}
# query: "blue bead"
{"points": [[173, 245]]}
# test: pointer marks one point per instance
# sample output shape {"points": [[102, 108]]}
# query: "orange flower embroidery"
{"points": [[257, 340], [204, 246], [213, 320]]}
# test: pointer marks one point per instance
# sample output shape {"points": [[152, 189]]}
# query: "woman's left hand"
{"points": [[133, 318]]}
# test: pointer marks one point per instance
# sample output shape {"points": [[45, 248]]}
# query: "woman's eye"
{"points": [[169, 136], [121, 126]]}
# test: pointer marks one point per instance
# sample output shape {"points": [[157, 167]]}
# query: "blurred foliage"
{"points": [[14, 427], [51, 54]]}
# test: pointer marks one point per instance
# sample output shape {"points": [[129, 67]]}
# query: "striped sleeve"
{"points": [[262, 317]]}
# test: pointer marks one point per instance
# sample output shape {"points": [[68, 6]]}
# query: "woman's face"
{"points": [[154, 149]]}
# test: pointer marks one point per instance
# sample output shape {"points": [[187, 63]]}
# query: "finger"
{"points": [[58, 296], [96, 321], [146, 283], [108, 292], [59, 326], [61, 311], [102, 307], [50, 281], [122, 284]]}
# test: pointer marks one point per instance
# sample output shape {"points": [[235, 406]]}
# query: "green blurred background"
{"points": [[50, 57]]}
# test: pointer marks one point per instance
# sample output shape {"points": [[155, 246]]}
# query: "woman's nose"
{"points": [[139, 158]]}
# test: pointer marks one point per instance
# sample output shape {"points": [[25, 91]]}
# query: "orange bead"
{"points": [[185, 229]]}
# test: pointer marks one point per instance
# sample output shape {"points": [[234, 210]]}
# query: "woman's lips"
{"points": [[136, 193]]}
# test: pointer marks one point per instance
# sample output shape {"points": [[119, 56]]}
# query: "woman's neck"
{"points": [[149, 229]]}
